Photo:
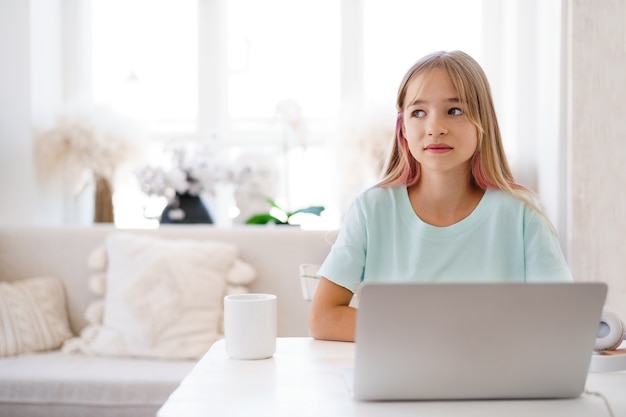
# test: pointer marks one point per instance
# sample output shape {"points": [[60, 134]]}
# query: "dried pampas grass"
{"points": [[77, 144], [81, 148], [361, 153]]}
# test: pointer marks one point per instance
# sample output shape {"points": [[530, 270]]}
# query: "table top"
{"points": [[306, 378]]}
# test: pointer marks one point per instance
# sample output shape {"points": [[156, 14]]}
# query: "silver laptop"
{"points": [[475, 341]]}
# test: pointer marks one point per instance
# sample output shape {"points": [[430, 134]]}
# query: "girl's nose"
{"points": [[436, 126]]}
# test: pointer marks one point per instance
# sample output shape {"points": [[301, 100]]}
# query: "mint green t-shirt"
{"points": [[383, 239]]}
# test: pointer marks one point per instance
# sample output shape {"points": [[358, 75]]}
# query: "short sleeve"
{"points": [[543, 258], [345, 262]]}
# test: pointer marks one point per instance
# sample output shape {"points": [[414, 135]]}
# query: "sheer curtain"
{"points": [[522, 42]]}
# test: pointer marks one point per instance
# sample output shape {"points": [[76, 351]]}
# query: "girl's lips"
{"points": [[438, 148]]}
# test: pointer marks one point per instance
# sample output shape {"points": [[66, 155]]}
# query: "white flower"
{"points": [[185, 170], [177, 178]]}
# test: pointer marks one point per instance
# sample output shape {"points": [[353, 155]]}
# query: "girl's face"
{"points": [[439, 135]]}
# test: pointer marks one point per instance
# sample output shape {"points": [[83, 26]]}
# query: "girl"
{"points": [[447, 208]]}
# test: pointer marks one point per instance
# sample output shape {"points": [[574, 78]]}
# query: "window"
{"points": [[283, 49], [282, 78], [398, 32], [145, 61]]}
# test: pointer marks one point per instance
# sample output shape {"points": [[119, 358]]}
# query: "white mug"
{"points": [[250, 325]]}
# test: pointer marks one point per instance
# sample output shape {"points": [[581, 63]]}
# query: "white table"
{"points": [[305, 378]]}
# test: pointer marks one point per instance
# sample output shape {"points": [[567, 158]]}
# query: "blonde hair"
{"points": [[489, 166]]}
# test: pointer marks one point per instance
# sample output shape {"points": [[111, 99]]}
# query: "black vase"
{"points": [[186, 208]]}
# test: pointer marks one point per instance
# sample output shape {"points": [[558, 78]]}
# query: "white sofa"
{"points": [[54, 383]]}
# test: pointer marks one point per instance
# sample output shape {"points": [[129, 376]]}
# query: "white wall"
{"points": [[17, 191], [32, 91], [597, 144]]}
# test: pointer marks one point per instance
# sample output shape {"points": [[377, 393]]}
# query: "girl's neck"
{"points": [[443, 201]]}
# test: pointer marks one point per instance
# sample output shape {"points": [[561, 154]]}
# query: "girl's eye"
{"points": [[419, 113], [455, 111]]}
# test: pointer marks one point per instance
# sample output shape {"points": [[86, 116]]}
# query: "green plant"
{"points": [[281, 215]]}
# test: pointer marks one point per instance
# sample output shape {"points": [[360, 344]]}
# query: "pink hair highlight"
{"points": [[479, 174], [410, 168]]}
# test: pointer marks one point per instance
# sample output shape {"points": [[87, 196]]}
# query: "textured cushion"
{"points": [[33, 315], [163, 296]]}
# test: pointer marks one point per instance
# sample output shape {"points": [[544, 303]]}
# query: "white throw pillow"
{"points": [[33, 315], [163, 296]]}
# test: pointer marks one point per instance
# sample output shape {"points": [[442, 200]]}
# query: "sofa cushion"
{"points": [[163, 296], [33, 315]]}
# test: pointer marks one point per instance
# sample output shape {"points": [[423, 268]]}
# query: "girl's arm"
{"points": [[331, 317]]}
